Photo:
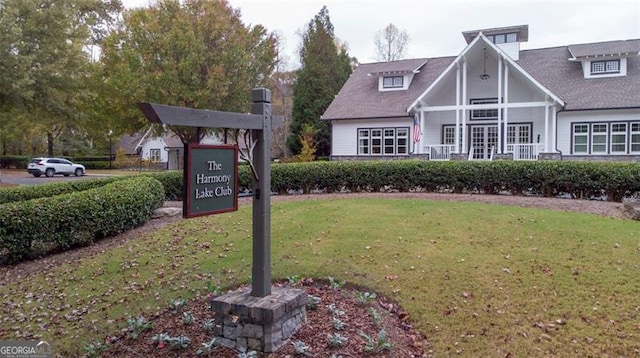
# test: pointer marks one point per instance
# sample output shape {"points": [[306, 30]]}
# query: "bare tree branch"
{"points": [[391, 43]]}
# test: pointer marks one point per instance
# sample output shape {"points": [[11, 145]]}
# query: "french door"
{"points": [[484, 140]]}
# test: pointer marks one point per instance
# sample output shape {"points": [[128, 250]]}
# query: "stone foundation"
{"points": [[503, 156], [263, 324], [459, 156], [549, 156]]}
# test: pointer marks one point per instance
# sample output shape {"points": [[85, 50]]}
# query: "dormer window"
{"points": [[605, 67], [503, 38], [393, 82]]}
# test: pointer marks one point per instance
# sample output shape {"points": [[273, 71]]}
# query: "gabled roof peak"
{"points": [[521, 30]]}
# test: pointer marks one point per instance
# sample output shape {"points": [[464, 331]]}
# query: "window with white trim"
{"points": [[503, 38], [635, 137], [605, 67], [618, 138], [614, 138], [154, 155], [491, 113], [519, 134], [383, 141], [580, 138], [393, 82], [364, 141], [402, 140], [598, 138], [449, 135], [376, 141]]}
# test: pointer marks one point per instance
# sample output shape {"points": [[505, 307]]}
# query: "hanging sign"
{"points": [[211, 180]]}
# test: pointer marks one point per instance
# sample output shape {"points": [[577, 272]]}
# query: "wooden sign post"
{"points": [[260, 123]]}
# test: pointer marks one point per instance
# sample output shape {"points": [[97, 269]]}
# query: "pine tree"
{"points": [[326, 66]]}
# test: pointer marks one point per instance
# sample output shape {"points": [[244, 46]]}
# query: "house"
{"points": [[494, 100], [166, 151]]}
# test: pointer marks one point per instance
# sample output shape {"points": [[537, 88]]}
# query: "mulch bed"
{"points": [[335, 303]]}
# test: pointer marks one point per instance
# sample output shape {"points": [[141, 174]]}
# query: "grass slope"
{"points": [[477, 279]]}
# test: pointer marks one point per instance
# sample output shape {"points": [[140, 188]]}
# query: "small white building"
{"points": [[494, 100], [166, 151]]}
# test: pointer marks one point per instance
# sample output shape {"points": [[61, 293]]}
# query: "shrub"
{"points": [[28, 192], [97, 165], [582, 180], [172, 183], [63, 221], [14, 161]]}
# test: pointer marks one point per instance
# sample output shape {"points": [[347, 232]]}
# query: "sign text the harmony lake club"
{"points": [[211, 179]]}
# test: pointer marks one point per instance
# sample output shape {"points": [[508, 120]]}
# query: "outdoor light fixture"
{"points": [[484, 76]]}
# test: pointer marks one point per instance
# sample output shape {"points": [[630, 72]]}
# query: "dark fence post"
{"points": [[261, 270]]}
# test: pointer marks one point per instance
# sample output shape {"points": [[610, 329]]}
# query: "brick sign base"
{"points": [[263, 324]]}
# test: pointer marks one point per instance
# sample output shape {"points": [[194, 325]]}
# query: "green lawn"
{"points": [[476, 279]]}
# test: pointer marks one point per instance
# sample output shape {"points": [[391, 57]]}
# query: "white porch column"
{"points": [[421, 124], [499, 149], [546, 126], [506, 108], [464, 104], [457, 130], [554, 128]]}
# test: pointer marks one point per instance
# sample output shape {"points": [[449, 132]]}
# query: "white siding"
{"points": [[511, 48], [432, 132], [154, 143], [213, 139], [345, 132], [566, 119]]}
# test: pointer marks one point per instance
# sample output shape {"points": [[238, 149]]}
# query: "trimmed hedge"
{"points": [[97, 165], [28, 192], [14, 161], [101, 158], [172, 183], [581, 180], [66, 220]]}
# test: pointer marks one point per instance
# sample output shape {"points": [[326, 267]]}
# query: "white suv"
{"points": [[51, 166]]}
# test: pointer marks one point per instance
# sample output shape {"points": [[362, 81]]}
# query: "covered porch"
{"points": [[483, 107]]}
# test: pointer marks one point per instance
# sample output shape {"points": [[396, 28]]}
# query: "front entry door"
{"points": [[484, 140]]}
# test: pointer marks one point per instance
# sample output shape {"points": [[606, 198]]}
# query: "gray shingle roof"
{"points": [[605, 48], [565, 79], [401, 66], [128, 143], [360, 98], [172, 141]]}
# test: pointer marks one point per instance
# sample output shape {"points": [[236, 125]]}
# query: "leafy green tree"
{"points": [[43, 63], [326, 66], [191, 53]]}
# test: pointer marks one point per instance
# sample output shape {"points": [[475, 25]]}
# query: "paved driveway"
{"points": [[23, 178]]}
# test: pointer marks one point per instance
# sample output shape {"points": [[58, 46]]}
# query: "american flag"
{"points": [[416, 129]]}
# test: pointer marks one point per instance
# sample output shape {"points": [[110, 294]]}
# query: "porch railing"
{"points": [[439, 151], [525, 151]]}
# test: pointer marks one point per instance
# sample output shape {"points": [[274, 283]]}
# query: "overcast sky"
{"points": [[435, 27]]}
